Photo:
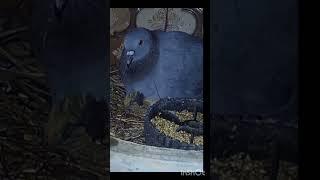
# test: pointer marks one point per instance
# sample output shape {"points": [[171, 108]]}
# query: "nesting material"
{"points": [[116, 48], [117, 52], [169, 128], [241, 166]]}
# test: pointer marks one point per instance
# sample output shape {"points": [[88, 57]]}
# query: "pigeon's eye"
{"points": [[140, 42]]}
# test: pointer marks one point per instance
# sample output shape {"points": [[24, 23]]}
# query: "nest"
{"points": [[126, 117], [24, 109]]}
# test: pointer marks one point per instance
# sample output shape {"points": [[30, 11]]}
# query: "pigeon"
{"points": [[69, 37], [162, 64]]}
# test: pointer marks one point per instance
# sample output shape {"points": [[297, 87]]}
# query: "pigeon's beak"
{"points": [[130, 57]]}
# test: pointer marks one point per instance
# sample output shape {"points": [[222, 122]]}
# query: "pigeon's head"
{"points": [[138, 44]]}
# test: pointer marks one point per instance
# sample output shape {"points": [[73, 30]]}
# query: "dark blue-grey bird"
{"points": [[162, 64], [70, 39]]}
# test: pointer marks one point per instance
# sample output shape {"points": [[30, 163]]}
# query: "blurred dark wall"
{"points": [[254, 57]]}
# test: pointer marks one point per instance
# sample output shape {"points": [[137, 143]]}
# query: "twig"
{"points": [[129, 121], [12, 59], [114, 72], [36, 89], [33, 96], [112, 79], [13, 31], [8, 75], [4, 165], [132, 138]]}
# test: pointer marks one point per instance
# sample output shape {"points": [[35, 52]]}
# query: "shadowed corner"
{"points": [[74, 56], [254, 89], [79, 126], [41, 139]]}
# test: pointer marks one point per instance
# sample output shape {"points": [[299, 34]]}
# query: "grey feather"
{"points": [[165, 64]]}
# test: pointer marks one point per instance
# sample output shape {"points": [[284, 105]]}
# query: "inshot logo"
{"points": [[198, 172]]}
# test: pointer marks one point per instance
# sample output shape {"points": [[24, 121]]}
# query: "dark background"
{"points": [[254, 56], [253, 62]]}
